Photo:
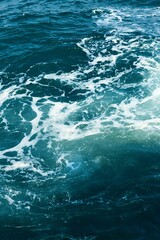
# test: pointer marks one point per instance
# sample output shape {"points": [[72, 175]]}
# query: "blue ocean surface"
{"points": [[79, 120]]}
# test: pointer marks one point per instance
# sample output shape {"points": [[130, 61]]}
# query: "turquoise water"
{"points": [[79, 120]]}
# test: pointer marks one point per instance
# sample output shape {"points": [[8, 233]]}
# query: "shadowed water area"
{"points": [[79, 120]]}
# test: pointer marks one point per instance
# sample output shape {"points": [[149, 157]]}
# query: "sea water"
{"points": [[79, 119]]}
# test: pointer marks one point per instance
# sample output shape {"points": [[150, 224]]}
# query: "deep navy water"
{"points": [[79, 120]]}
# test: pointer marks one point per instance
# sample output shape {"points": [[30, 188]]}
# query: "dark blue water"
{"points": [[79, 120]]}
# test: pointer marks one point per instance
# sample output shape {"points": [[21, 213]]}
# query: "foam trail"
{"points": [[103, 83]]}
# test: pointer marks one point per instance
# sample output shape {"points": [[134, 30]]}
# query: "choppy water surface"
{"points": [[79, 119]]}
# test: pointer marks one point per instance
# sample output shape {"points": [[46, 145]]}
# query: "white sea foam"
{"points": [[111, 17], [128, 20], [17, 165], [130, 113], [9, 199], [109, 105], [69, 77], [64, 128], [6, 94]]}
